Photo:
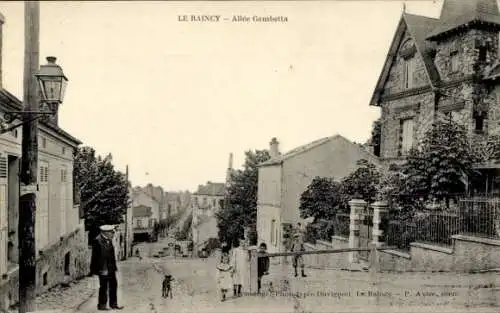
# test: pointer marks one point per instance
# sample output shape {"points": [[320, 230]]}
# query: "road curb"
{"points": [[84, 302]]}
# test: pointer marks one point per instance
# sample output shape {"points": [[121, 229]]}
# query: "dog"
{"points": [[167, 286]]}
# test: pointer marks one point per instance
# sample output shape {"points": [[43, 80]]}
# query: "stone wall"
{"points": [[457, 88], [467, 254], [330, 260], [419, 107], [50, 265]]}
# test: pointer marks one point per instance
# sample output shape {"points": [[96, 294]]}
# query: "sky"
{"points": [[172, 99]]}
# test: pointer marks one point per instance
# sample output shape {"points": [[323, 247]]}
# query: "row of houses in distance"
{"points": [[151, 204]]}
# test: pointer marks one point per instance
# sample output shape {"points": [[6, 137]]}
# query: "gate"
{"points": [[365, 233]]}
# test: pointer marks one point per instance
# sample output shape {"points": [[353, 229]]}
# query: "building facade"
{"points": [[173, 203], [206, 201], [146, 212], [159, 195], [441, 68], [60, 238], [284, 178]]}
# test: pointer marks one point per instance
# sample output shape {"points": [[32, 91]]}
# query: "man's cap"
{"points": [[107, 228], [296, 235]]}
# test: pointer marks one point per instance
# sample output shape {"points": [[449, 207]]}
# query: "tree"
{"points": [[376, 136], [362, 183], [240, 211], [320, 199], [103, 190], [440, 166]]}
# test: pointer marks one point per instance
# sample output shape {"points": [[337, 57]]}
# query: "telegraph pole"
{"points": [[29, 161], [126, 221]]}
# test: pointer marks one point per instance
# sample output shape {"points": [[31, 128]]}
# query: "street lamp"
{"points": [[52, 83]]}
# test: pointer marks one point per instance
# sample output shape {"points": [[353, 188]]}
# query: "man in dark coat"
{"points": [[103, 264]]}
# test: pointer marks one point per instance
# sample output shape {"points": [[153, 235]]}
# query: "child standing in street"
{"points": [[167, 286], [298, 261], [262, 264], [224, 270]]}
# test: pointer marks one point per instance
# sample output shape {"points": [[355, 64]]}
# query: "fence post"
{"points": [[357, 208], [379, 209], [253, 271]]}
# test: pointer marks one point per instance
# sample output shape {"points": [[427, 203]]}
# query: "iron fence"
{"points": [[476, 216]]}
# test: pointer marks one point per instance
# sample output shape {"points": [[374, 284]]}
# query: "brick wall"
{"points": [[51, 266]]}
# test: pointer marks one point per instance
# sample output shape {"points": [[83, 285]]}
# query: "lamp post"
{"points": [[51, 84]]}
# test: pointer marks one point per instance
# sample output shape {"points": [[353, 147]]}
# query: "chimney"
{"points": [[274, 148], [230, 165], [2, 20]]}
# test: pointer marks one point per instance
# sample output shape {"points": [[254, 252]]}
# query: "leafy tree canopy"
{"points": [[439, 167], [320, 199], [362, 183], [103, 190], [240, 211]]}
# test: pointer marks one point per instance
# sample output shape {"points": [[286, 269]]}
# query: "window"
{"points": [[44, 143], [45, 279], [44, 174], [454, 61], [482, 53], [478, 123], [63, 150], [139, 223], [14, 133], [409, 68], [406, 135], [64, 175], [273, 231], [67, 258]]}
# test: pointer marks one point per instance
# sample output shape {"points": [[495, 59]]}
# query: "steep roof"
{"points": [[141, 211], [456, 14], [309, 146], [417, 26], [138, 190], [211, 189]]}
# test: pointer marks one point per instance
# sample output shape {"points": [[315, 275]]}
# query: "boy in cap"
{"points": [[103, 264], [298, 246], [262, 264]]}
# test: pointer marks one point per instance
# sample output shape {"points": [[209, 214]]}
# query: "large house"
{"points": [[60, 238], [157, 193], [206, 201], [284, 177], [446, 67], [146, 212]]}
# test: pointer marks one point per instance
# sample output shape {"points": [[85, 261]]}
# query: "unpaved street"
{"points": [[322, 291]]}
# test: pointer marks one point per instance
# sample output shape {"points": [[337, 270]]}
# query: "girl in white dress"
{"points": [[224, 271], [241, 264]]}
